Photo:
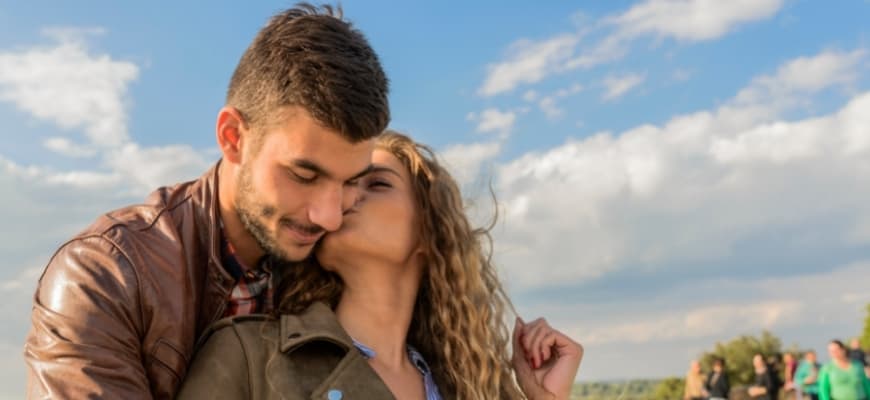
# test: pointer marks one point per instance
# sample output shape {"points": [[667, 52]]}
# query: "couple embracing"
{"points": [[321, 258]]}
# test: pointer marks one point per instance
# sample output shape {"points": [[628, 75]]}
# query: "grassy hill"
{"points": [[639, 389]]}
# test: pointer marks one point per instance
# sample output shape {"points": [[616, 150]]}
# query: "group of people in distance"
{"points": [[845, 377], [322, 257]]}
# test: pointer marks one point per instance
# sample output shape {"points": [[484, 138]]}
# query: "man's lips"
{"points": [[303, 237]]}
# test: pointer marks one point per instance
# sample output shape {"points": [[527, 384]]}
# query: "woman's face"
{"points": [[758, 362], [382, 225], [836, 352]]}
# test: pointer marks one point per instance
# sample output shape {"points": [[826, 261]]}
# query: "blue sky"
{"points": [[669, 173]]}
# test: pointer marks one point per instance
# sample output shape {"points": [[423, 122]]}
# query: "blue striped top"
{"points": [[416, 358]]}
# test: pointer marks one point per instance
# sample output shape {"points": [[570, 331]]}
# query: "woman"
{"points": [[404, 303], [765, 386], [806, 377], [789, 365], [695, 383], [842, 378]]}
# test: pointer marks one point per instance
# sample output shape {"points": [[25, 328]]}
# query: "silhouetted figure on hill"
{"points": [[695, 383], [717, 382], [766, 386]]}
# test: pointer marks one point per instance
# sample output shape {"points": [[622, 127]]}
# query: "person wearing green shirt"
{"points": [[806, 378], [842, 378]]}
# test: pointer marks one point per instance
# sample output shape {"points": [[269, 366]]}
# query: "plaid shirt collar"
{"points": [[253, 291]]}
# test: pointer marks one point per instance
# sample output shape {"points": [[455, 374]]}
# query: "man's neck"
{"points": [[376, 308], [247, 250]]}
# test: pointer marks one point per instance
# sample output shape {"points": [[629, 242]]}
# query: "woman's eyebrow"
{"points": [[383, 168]]}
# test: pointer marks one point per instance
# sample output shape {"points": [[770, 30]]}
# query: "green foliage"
{"points": [[738, 355], [639, 389], [865, 336], [669, 389]]}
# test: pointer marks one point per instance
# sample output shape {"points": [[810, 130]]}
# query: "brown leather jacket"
{"points": [[119, 308], [296, 357]]}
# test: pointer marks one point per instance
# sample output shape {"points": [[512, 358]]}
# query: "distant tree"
{"points": [[865, 336], [669, 389], [738, 355]]}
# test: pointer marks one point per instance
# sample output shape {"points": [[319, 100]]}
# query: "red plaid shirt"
{"points": [[253, 292]]}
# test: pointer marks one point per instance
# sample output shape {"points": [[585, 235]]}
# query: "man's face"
{"points": [[294, 186]]}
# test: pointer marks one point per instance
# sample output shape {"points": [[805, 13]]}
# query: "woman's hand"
{"points": [[545, 360]]}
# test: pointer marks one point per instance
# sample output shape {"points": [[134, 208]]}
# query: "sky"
{"points": [[668, 173]]}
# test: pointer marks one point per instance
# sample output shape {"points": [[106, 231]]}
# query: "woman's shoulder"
{"points": [[240, 325], [318, 321]]}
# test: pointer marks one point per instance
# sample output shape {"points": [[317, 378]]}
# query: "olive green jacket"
{"points": [[305, 356]]}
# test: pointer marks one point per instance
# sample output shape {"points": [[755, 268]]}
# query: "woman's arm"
{"points": [[687, 388], [824, 384], [219, 370]]}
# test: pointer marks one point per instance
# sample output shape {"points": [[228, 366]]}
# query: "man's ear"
{"points": [[230, 129]]}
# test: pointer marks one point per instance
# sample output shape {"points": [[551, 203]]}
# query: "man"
{"points": [[717, 382], [856, 353], [119, 308]]}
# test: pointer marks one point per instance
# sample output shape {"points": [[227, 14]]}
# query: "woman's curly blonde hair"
{"points": [[458, 323]]}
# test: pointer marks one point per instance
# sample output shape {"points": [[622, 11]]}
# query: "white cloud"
{"points": [[705, 321], [68, 86], [550, 108], [66, 147], [493, 120], [609, 49], [146, 168], [569, 91], [764, 305], [617, 86], [660, 334], [691, 20], [26, 280], [49, 176], [549, 105], [528, 62], [645, 197], [530, 95], [805, 75], [465, 160]]}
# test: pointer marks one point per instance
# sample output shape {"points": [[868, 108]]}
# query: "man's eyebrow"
{"points": [[368, 169], [311, 166]]}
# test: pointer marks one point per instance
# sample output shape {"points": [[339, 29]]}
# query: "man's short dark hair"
{"points": [[311, 57]]}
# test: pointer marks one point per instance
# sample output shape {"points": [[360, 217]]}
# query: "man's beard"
{"points": [[251, 213]]}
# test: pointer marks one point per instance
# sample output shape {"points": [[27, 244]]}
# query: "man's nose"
{"points": [[327, 209]]}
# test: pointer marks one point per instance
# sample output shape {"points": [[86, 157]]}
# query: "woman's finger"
{"points": [[529, 329], [518, 352], [540, 330], [546, 345]]}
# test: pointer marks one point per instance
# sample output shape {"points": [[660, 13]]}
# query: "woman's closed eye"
{"points": [[377, 183]]}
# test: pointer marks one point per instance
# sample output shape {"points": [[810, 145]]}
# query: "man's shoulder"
{"points": [[132, 235], [134, 218]]}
